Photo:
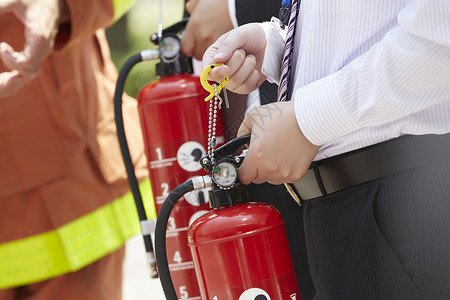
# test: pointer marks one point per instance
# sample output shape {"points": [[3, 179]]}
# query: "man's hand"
{"points": [[278, 150], [208, 20], [40, 19], [242, 52]]}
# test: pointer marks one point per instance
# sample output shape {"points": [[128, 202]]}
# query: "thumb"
{"points": [[251, 38], [11, 82], [226, 45], [211, 52], [247, 172], [190, 6], [17, 60], [246, 126], [187, 42]]}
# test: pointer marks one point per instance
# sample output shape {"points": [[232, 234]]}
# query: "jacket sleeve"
{"points": [[248, 11]]}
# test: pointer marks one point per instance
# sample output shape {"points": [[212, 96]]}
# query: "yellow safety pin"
{"points": [[212, 89]]}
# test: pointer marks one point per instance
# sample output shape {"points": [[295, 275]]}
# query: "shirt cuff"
{"points": [[232, 12], [320, 113]]}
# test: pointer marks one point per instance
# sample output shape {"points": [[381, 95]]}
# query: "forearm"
{"points": [[405, 73]]}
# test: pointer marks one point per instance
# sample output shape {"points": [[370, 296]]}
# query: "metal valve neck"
{"points": [[219, 198]]}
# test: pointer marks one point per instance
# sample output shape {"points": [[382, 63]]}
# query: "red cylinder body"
{"points": [[174, 119], [241, 252]]}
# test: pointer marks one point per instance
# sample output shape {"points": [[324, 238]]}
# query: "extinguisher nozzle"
{"points": [[153, 271], [150, 54], [201, 182], [151, 264]]}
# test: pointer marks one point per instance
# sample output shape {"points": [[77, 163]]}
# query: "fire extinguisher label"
{"points": [[278, 287], [162, 163], [189, 155], [254, 294]]}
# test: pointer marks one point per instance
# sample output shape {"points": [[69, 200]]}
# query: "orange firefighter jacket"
{"points": [[63, 181]]}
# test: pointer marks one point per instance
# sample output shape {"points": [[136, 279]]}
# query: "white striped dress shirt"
{"points": [[371, 70]]}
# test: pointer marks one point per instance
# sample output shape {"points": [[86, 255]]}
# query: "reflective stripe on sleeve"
{"points": [[75, 244]]}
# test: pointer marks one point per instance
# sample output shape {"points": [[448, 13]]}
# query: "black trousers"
{"points": [[388, 239]]}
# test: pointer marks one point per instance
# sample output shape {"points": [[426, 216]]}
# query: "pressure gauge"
{"points": [[225, 174], [169, 48]]}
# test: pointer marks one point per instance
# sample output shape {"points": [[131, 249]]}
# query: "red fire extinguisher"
{"points": [[240, 248], [174, 120]]}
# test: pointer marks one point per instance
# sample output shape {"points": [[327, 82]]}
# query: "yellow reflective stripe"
{"points": [[31, 259], [147, 194], [121, 7], [74, 245]]}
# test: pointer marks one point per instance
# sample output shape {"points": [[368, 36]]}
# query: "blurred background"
{"points": [[128, 36], [131, 34]]}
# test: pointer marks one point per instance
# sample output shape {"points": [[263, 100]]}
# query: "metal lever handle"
{"points": [[226, 150]]}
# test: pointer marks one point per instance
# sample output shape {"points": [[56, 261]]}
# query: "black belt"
{"points": [[387, 158]]}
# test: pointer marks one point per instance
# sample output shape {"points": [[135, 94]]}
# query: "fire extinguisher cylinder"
{"points": [[240, 251], [196, 183], [174, 123]]}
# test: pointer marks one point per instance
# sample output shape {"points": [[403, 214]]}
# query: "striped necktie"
{"points": [[288, 49]]}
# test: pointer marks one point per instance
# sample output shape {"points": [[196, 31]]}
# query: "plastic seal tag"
{"points": [[212, 89], [273, 56]]}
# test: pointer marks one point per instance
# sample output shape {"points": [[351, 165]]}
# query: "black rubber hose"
{"points": [[132, 180], [160, 238]]}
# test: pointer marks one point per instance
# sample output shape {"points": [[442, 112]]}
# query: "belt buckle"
{"points": [[291, 190], [306, 188]]}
